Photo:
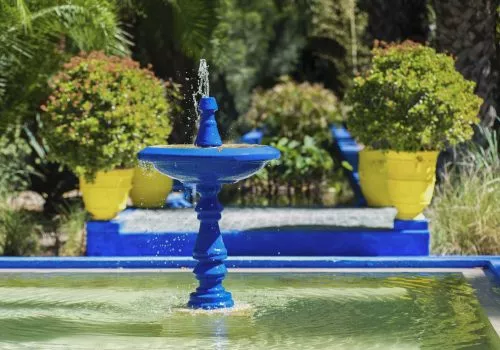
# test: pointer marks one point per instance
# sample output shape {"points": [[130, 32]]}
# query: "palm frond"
{"points": [[36, 36], [3, 78], [24, 14], [92, 26], [194, 23]]}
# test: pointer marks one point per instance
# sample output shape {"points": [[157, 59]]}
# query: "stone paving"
{"points": [[241, 219]]}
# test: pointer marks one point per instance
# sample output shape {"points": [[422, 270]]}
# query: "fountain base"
{"points": [[238, 309], [209, 301]]}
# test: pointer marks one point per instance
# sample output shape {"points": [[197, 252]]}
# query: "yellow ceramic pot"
{"points": [[108, 194], [373, 177], [411, 179], [150, 188]]}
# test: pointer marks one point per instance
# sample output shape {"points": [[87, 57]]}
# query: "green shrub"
{"points": [[19, 231], [296, 117], [72, 225], [465, 213], [300, 162], [294, 110], [102, 111], [14, 166], [412, 99]]}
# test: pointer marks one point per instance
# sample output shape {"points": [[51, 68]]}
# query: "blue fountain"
{"points": [[209, 164]]}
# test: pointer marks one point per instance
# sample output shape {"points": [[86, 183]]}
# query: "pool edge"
{"points": [[492, 263]]}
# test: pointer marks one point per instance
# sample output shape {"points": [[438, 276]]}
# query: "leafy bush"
{"points": [[102, 111], [18, 231], [72, 224], [14, 167], [412, 99], [294, 110], [299, 162], [465, 213], [37, 37], [296, 117]]}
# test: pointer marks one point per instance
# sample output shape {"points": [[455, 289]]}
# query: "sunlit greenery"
{"points": [[465, 213], [412, 99], [294, 110], [102, 111], [36, 36]]}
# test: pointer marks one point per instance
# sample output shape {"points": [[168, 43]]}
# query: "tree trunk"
{"points": [[467, 30], [396, 20]]}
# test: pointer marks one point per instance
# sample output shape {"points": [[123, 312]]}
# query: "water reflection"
{"points": [[288, 311]]}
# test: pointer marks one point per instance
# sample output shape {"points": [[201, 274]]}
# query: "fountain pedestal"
{"points": [[209, 164], [210, 252]]}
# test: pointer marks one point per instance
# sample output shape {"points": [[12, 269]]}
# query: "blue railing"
{"points": [[344, 146]]}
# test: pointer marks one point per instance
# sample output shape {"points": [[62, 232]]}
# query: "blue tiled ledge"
{"points": [[490, 263], [348, 150], [406, 238], [174, 262]]}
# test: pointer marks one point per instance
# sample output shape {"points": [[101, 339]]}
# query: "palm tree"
{"points": [[467, 30], [36, 37], [172, 35]]}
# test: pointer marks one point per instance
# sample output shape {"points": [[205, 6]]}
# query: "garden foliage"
{"points": [[336, 34], [102, 111], [301, 162], [412, 99], [36, 37], [71, 224], [465, 213], [296, 119], [19, 230], [294, 110], [14, 170]]}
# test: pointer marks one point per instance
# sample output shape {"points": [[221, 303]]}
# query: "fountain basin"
{"points": [[221, 165], [356, 303]]}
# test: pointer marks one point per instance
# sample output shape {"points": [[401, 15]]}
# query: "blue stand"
{"points": [[209, 249], [253, 137], [347, 148], [210, 252]]}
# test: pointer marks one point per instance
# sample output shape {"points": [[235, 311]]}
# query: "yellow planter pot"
{"points": [[150, 188], [108, 194], [372, 171], [411, 179]]}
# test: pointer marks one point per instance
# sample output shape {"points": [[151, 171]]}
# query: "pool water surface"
{"points": [[292, 310]]}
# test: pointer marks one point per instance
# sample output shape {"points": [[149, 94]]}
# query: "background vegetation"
{"points": [[102, 110], [465, 214], [249, 45], [413, 82]]}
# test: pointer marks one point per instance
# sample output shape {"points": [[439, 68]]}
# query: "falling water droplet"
{"points": [[203, 88]]}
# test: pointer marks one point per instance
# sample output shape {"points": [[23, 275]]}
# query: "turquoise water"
{"points": [[282, 311]]}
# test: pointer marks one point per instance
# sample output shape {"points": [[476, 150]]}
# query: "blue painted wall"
{"points": [[408, 238]]}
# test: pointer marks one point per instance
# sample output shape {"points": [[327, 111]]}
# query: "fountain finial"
{"points": [[208, 133]]}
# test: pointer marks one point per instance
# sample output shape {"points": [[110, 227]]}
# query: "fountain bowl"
{"points": [[225, 164]]}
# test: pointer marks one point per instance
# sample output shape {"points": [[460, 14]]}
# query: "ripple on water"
{"points": [[286, 311]]}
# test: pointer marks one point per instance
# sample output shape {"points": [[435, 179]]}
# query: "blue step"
{"points": [[348, 150], [263, 232]]}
